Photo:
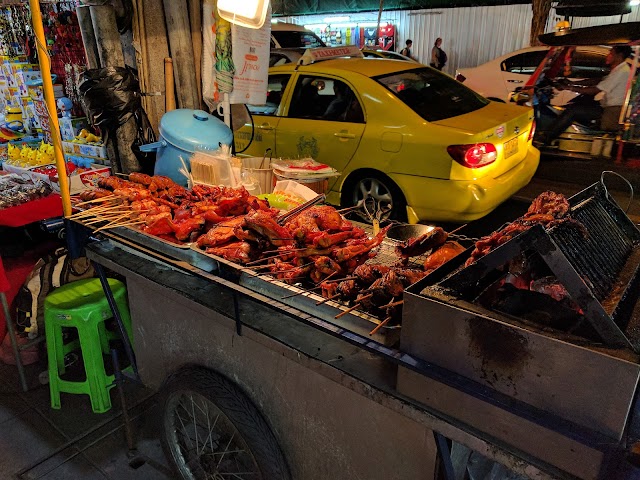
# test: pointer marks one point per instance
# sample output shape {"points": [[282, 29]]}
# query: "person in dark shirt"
{"points": [[406, 51]]}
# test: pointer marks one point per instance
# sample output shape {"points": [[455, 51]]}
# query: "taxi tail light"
{"points": [[475, 155], [461, 78], [532, 132]]}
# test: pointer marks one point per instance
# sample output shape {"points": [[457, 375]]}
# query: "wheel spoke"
{"points": [[364, 190], [225, 449], [184, 428], [195, 423]]}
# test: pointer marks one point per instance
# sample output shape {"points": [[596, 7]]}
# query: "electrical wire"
{"points": [[606, 190]]}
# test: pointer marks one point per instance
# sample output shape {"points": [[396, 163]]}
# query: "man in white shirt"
{"points": [[610, 92]]}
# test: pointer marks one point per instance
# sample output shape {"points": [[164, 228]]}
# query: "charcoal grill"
{"points": [[599, 270], [585, 372]]}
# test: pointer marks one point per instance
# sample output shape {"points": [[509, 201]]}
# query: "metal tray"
{"points": [[355, 321]]}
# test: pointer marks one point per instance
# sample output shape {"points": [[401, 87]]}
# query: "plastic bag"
{"points": [[110, 98]]}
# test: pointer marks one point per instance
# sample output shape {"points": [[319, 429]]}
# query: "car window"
{"points": [[295, 39], [525, 63], [323, 98], [275, 90], [431, 94], [369, 54], [585, 64], [276, 59]]}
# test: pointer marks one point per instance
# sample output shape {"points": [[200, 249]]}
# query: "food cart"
{"points": [[312, 396]]}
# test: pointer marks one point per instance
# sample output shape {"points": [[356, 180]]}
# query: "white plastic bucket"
{"points": [[263, 175]]}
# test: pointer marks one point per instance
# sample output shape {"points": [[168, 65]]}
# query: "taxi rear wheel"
{"points": [[381, 188]]}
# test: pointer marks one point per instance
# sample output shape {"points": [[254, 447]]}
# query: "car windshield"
{"points": [[295, 39], [431, 94]]}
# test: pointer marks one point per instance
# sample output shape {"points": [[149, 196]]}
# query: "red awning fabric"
{"points": [[33, 211], [4, 283]]}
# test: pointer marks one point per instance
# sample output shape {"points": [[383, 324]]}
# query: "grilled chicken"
{"points": [[419, 245], [442, 255]]}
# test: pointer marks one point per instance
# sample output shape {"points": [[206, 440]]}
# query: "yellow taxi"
{"points": [[423, 145]]}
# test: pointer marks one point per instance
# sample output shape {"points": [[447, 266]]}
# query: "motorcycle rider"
{"points": [[613, 87]]}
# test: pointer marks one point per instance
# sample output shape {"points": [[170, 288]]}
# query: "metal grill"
{"points": [[599, 257], [599, 270]]}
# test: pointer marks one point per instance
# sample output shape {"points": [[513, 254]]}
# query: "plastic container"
{"points": [[318, 185], [260, 169], [183, 131]]}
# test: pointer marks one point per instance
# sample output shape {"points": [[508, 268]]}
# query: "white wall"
{"points": [[470, 35]]}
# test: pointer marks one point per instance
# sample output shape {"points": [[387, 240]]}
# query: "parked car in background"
{"points": [[290, 35], [423, 145], [497, 79], [280, 56], [379, 53]]}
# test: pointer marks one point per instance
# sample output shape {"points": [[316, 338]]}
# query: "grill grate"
{"points": [[598, 257], [599, 271]]}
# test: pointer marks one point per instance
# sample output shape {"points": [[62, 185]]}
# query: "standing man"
{"points": [[613, 86], [438, 57], [406, 51]]}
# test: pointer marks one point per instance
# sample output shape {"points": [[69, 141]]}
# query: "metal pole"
{"points": [[14, 341], [50, 102]]}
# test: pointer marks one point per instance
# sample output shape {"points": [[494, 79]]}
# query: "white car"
{"points": [[290, 35], [497, 79]]}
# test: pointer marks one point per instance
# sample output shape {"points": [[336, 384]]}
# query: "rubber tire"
{"points": [[399, 211], [239, 410]]}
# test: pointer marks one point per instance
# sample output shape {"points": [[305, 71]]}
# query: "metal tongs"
{"points": [[285, 217], [374, 211]]}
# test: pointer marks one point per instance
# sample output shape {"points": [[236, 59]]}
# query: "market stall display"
{"points": [[315, 248], [15, 190]]}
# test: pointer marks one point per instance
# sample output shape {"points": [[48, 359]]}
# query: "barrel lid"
{"points": [[190, 129]]}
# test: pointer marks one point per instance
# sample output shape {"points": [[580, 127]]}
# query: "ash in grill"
{"points": [[574, 274]]}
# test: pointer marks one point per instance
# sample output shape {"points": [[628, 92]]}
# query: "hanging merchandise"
{"points": [[386, 41], [370, 37]]}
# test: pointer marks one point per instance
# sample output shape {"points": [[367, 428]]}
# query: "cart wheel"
{"points": [[212, 430]]}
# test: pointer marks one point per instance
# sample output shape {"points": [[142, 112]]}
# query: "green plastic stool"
{"points": [[83, 305]]}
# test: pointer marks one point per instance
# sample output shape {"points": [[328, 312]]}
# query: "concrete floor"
{"points": [[38, 442], [74, 443]]}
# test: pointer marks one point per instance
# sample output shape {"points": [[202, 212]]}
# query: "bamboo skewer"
{"points": [[106, 219], [96, 210], [115, 225], [351, 309], [393, 304], [457, 229], [344, 279], [108, 198], [325, 300], [380, 325], [275, 272], [301, 292]]}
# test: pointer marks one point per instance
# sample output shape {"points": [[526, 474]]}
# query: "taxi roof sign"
{"points": [[312, 55]]}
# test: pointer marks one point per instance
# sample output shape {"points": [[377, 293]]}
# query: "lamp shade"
{"points": [[246, 13]]}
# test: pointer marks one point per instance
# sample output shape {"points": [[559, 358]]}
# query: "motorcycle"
{"points": [[595, 137]]}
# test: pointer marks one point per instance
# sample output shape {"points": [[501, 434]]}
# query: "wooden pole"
{"points": [[88, 37], [50, 101], [195, 20], [177, 17], [103, 18], [169, 89], [154, 49]]}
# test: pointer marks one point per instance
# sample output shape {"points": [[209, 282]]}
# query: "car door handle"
{"points": [[265, 126], [344, 135], [514, 81]]}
